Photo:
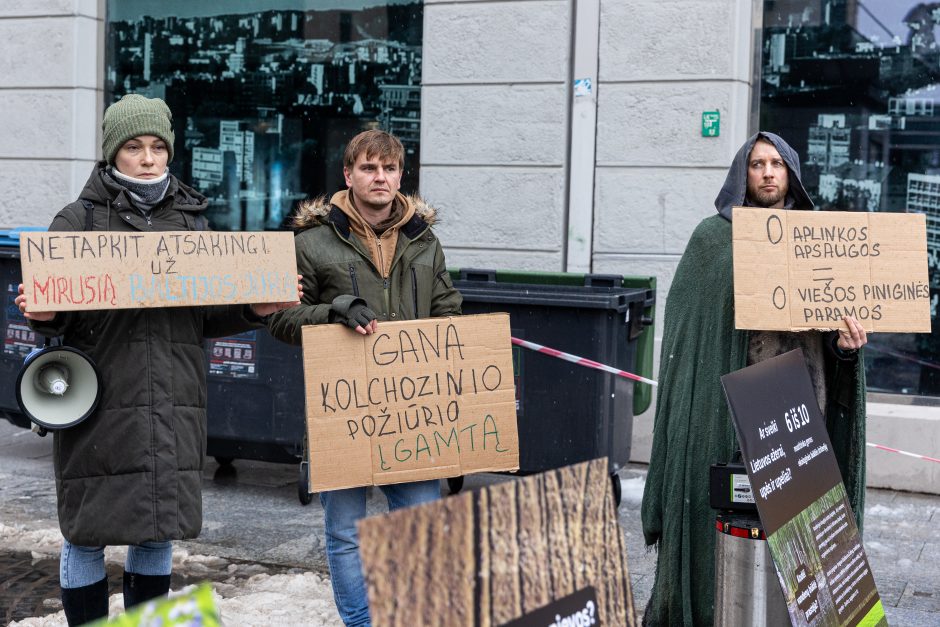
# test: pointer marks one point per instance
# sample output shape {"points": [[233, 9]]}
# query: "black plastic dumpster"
{"points": [[256, 398], [570, 413], [18, 338], [256, 402]]}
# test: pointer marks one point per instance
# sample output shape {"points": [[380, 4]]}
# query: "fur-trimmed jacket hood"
{"points": [[380, 240], [399, 271], [317, 210]]}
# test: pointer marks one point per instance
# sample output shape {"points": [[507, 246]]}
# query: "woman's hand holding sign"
{"points": [[266, 309], [39, 316]]}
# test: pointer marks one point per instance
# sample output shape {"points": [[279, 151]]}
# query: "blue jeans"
{"points": [[342, 508], [81, 566]]}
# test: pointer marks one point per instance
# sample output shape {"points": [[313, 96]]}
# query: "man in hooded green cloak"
{"points": [[692, 428]]}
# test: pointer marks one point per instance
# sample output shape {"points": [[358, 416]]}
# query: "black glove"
{"points": [[351, 311]]}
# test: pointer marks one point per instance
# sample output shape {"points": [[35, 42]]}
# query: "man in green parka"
{"points": [[692, 428], [367, 255]]}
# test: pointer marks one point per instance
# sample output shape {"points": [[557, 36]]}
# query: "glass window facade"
{"points": [[265, 94], [853, 87]]}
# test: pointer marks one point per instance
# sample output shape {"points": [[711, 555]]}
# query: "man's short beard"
{"points": [[766, 199]]}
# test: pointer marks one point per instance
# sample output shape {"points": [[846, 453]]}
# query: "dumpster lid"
{"points": [[11, 237], [582, 297]]}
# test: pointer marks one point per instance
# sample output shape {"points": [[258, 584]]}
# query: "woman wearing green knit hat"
{"points": [[130, 474]]}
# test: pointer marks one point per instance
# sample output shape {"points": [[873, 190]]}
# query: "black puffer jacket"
{"points": [[131, 472]]}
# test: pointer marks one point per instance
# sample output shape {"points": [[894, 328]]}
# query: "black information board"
{"points": [[810, 527]]}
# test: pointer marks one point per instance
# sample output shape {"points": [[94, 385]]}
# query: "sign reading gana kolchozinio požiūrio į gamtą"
{"points": [[67, 271], [420, 399], [800, 270]]}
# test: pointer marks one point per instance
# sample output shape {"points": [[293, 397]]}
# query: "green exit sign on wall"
{"points": [[711, 123]]}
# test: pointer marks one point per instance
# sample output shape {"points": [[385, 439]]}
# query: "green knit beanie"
{"points": [[133, 116]]}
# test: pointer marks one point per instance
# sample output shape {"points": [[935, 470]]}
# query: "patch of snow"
{"points": [[895, 511], [632, 490], [875, 547], [262, 600], [249, 596], [301, 599], [20, 537]]}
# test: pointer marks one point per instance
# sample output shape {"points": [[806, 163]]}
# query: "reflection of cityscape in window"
{"points": [[853, 85], [264, 101]]}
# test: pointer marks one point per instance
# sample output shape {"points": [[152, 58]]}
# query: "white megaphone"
{"points": [[58, 387]]}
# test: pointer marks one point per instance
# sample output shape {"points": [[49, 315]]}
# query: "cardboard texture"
{"points": [[421, 399], [68, 271], [799, 270], [541, 550]]}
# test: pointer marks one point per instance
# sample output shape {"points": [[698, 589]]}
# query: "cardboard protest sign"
{"points": [[67, 271], [421, 399], [798, 270], [802, 502], [541, 551]]}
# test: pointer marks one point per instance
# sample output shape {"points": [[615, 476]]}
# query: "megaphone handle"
{"points": [[53, 341]]}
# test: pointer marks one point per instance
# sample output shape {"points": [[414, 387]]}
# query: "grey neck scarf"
{"points": [[146, 193]]}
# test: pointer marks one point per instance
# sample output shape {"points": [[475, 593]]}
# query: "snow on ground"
{"points": [[246, 594], [303, 599], [895, 511], [873, 546], [24, 538], [631, 490], [262, 600]]}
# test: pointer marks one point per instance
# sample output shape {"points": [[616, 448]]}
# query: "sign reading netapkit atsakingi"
{"points": [[67, 271], [421, 399], [799, 270]]}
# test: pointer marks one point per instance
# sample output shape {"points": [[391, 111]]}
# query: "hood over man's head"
{"points": [[734, 193]]}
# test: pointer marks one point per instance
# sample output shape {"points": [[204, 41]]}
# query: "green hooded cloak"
{"points": [[692, 428]]}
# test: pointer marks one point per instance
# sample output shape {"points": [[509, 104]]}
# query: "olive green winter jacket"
{"points": [[335, 262]]}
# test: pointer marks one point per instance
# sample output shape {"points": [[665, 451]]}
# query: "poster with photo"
{"points": [[810, 527]]}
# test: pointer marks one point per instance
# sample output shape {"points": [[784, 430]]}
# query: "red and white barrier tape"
{"points": [[894, 450], [902, 356], [581, 361]]}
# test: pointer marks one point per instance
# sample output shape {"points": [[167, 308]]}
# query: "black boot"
{"points": [[140, 588], [85, 604]]}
